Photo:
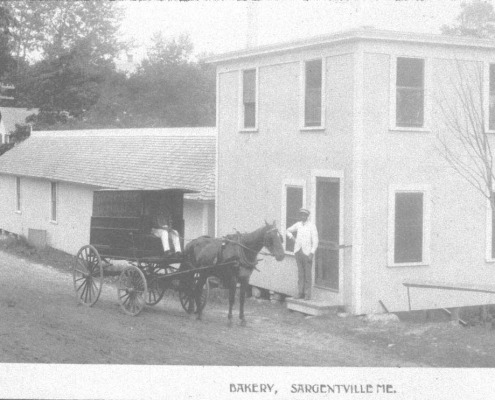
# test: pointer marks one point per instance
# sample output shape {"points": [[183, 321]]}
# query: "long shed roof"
{"points": [[122, 159]]}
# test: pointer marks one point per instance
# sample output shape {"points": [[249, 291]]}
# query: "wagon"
{"points": [[120, 233]]}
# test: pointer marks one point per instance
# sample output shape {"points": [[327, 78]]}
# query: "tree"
{"points": [[170, 89], [47, 29], [476, 19], [74, 43], [7, 23], [64, 87], [464, 142]]}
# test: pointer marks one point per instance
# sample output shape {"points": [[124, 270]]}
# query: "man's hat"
{"points": [[304, 211]]}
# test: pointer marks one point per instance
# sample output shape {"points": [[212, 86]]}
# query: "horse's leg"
{"points": [[242, 297], [232, 289], [199, 293]]}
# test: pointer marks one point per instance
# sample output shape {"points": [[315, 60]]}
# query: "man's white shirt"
{"points": [[307, 237]]}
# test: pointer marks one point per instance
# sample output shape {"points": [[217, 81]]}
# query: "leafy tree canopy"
{"points": [[48, 29], [476, 19], [7, 23]]}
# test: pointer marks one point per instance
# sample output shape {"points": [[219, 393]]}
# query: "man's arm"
{"points": [[314, 239], [293, 229]]}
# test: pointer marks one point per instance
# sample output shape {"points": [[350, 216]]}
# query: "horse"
{"points": [[236, 257]]}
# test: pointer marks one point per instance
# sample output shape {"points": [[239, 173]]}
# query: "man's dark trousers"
{"points": [[304, 274]]}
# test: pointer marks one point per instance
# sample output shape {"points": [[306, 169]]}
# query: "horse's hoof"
{"points": [[229, 323], [243, 322]]}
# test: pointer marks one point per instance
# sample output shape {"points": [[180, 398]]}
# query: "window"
{"points": [[409, 101], [294, 202], [249, 98], [18, 194], [312, 93], [409, 231], [53, 201], [491, 101], [408, 246]]}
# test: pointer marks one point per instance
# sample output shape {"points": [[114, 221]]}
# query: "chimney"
{"points": [[252, 24]]}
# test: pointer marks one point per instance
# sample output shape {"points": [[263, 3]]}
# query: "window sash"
{"points": [[53, 210], [409, 227], [249, 98], [313, 93], [410, 92], [18, 194], [491, 99]]}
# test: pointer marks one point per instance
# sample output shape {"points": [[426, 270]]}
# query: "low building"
{"points": [[48, 181]]}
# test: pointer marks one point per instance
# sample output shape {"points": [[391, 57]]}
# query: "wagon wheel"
{"points": [[87, 275], [156, 285], [186, 294], [132, 290]]}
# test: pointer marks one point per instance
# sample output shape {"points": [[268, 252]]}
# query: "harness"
{"points": [[243, 261]]}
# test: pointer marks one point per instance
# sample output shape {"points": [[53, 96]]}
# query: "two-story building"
{"points": [[347, 126]]}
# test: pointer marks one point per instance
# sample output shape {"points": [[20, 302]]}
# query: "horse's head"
{"points": [[273, 241]]}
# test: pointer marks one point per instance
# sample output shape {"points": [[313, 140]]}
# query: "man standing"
{"points": [[304, 249]]}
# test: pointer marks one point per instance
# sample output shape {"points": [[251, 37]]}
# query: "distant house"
{"points": [[345, 125], [9, 117], [67, 167]]}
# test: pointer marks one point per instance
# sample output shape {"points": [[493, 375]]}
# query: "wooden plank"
{"points": [[467, 287]]}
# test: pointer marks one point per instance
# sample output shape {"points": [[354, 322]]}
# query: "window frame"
{"points": [[290, 183], [18, 195], [393, 95], [489, 233], [53, 201], [302, 91], [425, 190], [486, 95], [241, 126]]}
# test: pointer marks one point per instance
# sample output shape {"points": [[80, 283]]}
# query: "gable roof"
{"points": [[122, 159], [363, 33]]}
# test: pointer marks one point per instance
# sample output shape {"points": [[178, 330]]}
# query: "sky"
{"points": [[222, 26]]}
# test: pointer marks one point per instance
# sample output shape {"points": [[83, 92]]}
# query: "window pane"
{"points": [[249, 98], [409, 106], [249, 86], [492, 97], [18, 193], [410, 72], [54, 201], [493, 234], [250, 115], [293, 204], [410, 92], [408, 227], [312, 106]]}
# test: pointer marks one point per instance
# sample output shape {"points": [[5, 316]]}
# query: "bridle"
{"points": [[242, 256]]}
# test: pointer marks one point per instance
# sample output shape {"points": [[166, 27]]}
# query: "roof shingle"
{"points": [[124, 159]]}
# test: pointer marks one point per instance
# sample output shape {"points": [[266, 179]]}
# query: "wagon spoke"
{"points": [[88, 269], [132, 288]]}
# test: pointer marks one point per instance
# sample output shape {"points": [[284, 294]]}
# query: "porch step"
{"points": [[311, 307]]}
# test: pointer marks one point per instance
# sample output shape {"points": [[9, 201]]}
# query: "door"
{"points": [[328, 225]]}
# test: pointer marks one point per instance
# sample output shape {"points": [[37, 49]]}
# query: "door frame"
{"points": [[335, 174]]}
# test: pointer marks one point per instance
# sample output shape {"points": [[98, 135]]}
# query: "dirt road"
{"points": [[42, 323]]}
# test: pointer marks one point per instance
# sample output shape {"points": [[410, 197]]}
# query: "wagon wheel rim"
{"points": [[87, 275], [156, 287], [132, 290], [187, 299]]}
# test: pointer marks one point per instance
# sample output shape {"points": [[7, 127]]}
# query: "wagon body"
{"points": [[122, 222]]}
